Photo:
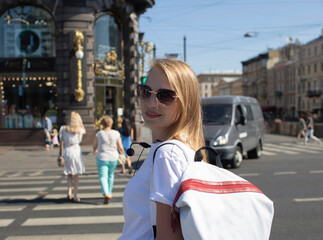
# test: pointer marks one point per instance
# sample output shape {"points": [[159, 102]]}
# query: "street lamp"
{"points": [[79, 54], [250, 34]]}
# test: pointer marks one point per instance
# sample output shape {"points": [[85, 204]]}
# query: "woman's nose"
{"points": [[152, 100]]}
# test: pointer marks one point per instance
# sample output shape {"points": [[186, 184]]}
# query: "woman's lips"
{"points": [[152, 114]]}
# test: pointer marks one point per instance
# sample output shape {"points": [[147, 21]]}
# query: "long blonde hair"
{"points": [[188, 126], [75, 123]]}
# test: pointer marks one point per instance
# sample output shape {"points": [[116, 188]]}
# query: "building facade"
{"points": [[287, 81], [209, 82], [67, 55]]}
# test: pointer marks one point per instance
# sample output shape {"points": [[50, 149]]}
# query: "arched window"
{"points": [[26, 31], [109, 67], [107, 36]]}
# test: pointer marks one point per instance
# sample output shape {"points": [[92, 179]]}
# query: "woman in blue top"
{"points": [[126, 137]]}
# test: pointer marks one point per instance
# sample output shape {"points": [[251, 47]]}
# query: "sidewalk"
{"points": [[13, 158]]}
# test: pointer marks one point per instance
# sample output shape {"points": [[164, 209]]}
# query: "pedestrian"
{"points": [[48, 131], [126, 137], [70, 137], [55, 142], [310, 130], [170, 105], [301, 127], [107, 146]]}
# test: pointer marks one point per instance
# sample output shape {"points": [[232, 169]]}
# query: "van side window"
{"points": [[257, 112], [249, 113], [238, 113]]}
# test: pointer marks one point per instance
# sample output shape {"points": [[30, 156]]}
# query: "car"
{"points": [[234, 127]]}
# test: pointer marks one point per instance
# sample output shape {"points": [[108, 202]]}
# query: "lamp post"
{"points": [[79, 54]]}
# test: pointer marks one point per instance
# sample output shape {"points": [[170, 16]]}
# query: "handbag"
{"points": [[121, 159], [60, 161]]}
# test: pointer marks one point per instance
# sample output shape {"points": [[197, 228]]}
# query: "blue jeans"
{"points": [[106, 175]]}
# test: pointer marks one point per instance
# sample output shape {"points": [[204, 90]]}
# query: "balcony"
{"points": [[313, 93]]}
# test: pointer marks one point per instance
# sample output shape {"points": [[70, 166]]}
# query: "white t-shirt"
{"points": [[107, 145], [170, 163]]}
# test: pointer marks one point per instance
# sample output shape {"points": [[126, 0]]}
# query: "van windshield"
{"points": [[217, 114]]}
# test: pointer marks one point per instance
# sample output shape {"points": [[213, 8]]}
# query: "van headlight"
{"points": [[221, 140]]}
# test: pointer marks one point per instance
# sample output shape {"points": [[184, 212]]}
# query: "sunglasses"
{"points": [[164, 96]]}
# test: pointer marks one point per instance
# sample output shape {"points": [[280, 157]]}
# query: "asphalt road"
{"points": [[33, 192]]}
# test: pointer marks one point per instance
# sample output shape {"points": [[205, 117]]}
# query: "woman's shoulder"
{"points": [[115, 132], [174, 149]]}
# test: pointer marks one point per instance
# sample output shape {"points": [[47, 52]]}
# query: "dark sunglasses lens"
{"points": [[166, 96], [144, 92]]}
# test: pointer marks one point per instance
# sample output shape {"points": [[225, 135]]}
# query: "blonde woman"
{"points": [[170, 105], [70, 138], [107, 146]]}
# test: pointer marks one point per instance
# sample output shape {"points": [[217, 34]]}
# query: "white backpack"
{"points": [[214, 203]]}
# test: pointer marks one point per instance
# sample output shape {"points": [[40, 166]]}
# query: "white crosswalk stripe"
{"points": [[271, 149], [37, 186], [108, 236], [73, 220]]}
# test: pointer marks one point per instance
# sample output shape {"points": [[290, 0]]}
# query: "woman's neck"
{"points": [[107, 129]]}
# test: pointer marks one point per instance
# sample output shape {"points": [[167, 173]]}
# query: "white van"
{"points": [[234, 126]]}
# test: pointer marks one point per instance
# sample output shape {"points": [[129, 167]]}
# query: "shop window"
{"points": [[27, 68], [27, 31], [108, 68]]}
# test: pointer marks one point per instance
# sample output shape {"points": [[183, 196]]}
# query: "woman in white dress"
{"points": [[70, 138]]}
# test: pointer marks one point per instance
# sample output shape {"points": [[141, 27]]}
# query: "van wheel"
{"points": [[256, 152], [237, 159]]}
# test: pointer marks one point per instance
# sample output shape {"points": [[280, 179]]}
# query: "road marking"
{"points": [[50, 207], [96, 180], [27, 178], [82, 195], [5, 222], [17, 174], [268, 153], [295, 147], [18, 197], [26, 183], [73, 220], [248, 174], [11, 208], [285, 173], [99, 236], [316, 171], [308, 146], [24, 189], [289, 148], [37, 173], [115, 186], [279, 150], [308, 199]]}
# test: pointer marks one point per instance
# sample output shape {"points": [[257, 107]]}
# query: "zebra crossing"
{"points": [[291, 148], [33, 203]]}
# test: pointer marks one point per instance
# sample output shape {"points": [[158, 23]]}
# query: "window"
{"points": [[249, 115], [309, 52], [30, 33], [107, 37]]}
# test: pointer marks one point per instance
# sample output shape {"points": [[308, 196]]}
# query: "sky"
{"points": [[215, 29]]}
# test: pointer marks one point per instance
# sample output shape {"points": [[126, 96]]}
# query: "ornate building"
{"points": [[58, 56]]}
